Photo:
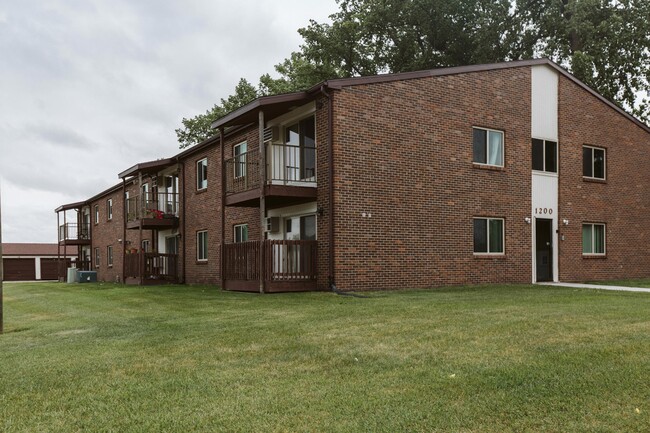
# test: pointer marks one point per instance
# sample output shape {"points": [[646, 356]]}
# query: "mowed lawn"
{"points": [[111, 358]]}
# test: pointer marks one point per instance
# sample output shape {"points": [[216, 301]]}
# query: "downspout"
{"points": [[183, 234], [124, 218], [330, 157], [58, 248], [222, 259], [262, 150]]}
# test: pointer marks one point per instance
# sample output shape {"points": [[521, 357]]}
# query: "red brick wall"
{"points": [[622, 202], [403, 153]]}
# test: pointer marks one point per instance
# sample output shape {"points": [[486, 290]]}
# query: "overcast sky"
{"points": [[89, 88]]}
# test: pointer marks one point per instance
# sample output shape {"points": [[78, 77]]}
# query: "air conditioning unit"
{"points": [[272, 134], [272, 224]]}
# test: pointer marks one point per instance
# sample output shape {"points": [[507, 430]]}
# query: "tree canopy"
{"points": [[604, 43]]}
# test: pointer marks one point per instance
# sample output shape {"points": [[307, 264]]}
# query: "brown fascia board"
{"points": [[70, 206], [147, 167], [340, 83], [246, 114]]}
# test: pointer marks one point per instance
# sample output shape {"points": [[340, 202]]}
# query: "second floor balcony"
{"points": [[74, 234], [153, 211], [290, 176]]}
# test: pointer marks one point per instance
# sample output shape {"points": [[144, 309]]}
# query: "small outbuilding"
{"points": [[33, 261]]}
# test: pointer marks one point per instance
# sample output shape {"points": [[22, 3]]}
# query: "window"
{"points": [[241, 233], [488, 147], [109, 256], [593, 162], [145, 246], [109, 209], [202, 174], [96, 214], [96, 257], [300, 150], [239, 153], [202, 246], [593, 238], [488, 236], [544, 155]]}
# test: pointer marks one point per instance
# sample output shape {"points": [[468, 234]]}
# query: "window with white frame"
{"points": [[593, 238], [96, 257], [96, 214], [202, 174], [109, 209], [593, 162], [202, 246], [488, 146], [145, 246], [488, 236], [241, 233], [109, 256], [544, 155], [127, 204], [239, 158]]}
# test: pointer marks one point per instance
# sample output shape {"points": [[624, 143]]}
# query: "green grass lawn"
{"points": [[112, 358]]}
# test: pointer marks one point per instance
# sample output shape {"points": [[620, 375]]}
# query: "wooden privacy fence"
{"points": [[284, 260], [151, 266]]}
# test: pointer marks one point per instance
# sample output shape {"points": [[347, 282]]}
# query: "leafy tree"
{"points": [[604, 43], [197, 129]]}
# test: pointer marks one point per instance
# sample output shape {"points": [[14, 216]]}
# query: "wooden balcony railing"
{"points": [[154, 206], [284, 260], [74, 232], [151, 266], [286, 165]]}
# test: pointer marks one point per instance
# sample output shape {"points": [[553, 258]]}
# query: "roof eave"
{"points": [[261, 102]]}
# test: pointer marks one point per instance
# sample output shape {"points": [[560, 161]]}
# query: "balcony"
{"points": [[151, 268], [74, 234], [290, 176], [153, 211], [285, 266]]}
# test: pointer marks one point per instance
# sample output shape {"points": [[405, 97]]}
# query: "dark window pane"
{"points": [[308, 228], [599, 239], [551, 157], [586, 162], [308, 148], [496, 236], [587, 247], [480, 145], [480, 236], [599, 163], [538, 154]]}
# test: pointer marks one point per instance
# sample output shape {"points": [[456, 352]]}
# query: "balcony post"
{"points": [[125, 216], [262, 169]]}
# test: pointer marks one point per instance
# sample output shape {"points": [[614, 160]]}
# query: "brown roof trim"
{"points": [[340, 83], [146, 166], [76, 205], [260, 103]]}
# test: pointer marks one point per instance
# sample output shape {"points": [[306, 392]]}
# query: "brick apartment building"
{"points": [[503, 173]]}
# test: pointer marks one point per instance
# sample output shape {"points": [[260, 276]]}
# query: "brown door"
{"points": [[50, 269], [544, 249], [19, 269]]}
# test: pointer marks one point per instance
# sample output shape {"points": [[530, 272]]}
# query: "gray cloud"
{"points": [[91, 87]]}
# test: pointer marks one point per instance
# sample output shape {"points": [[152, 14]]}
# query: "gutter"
{"points": [[330, 155]]}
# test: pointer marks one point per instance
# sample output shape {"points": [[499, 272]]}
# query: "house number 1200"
{"points": [[543, 211]]}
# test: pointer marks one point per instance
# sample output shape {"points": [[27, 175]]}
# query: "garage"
{"points": [[19, 269], [50, 268]]}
